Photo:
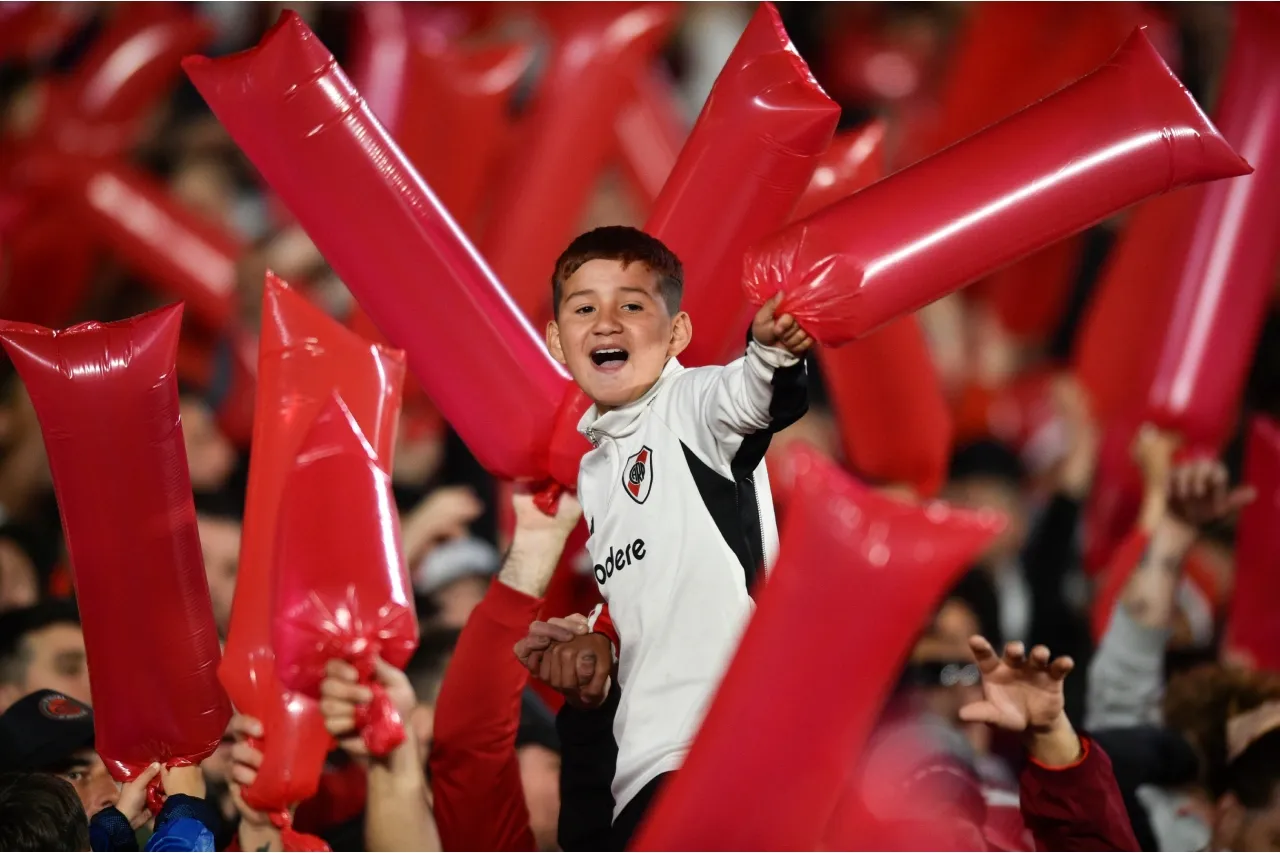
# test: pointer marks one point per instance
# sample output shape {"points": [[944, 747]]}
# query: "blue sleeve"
{"points": [[185, 823], [109, 830]]}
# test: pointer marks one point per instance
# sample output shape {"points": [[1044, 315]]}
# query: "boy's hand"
{"points": [[782, 331], [133, 797]]}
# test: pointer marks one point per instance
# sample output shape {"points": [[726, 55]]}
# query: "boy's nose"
{"points": [[607, 322]]}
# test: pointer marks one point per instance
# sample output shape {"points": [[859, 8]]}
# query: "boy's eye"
{"points": [[632, 306], [583, 309]]}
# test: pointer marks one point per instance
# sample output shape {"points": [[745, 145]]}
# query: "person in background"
{"points": [[42, 648], [1247, 815], [40, 812], [218, 523], [455, 575], [210, 457], [19, 576]]}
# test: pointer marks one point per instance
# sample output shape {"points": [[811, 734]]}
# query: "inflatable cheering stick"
{"points": [[341, 587], [746, 163], [106, 395], [1253, 632], [304, 356], [1124, 133], [288, 105], [565, 143], [1231, 258], [857, 575]]}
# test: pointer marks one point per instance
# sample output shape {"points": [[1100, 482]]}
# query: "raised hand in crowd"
{"points": [[1022, 693], [564, 653], [1082, 438], [442, 515], [133, 797], [256, 831], [397, 814], [537, 542]]}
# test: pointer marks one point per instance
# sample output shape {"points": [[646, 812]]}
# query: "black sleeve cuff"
{"points": [[110, 831]]}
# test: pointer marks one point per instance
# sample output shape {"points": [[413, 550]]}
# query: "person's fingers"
{"points": [[773, 301], [980, 712], [561, 633], [1039, 657], [336, 707], [1240, 498], [534, 662], [145, 777], [565, 669], [1061, 667], [575, 627], [339, 725], [593, 693], [983, 654], [804, 346], [332, 688], [242, 753], [544, 666], [339, 669], [388, 675], [245, 726], [1015, 654], [243, 775], [585, 668]]}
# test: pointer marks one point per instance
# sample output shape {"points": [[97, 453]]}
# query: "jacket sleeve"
{"points": [[475, 774], [601, 623], [713, 409], [1077, 807], [1126, 675], [185, 823], [109, 830]]}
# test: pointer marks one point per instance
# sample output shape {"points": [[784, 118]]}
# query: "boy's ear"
{"points": [[681, 334], [553, 342]]}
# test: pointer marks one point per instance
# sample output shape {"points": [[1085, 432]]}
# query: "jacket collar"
{"points": [[623, 420]]}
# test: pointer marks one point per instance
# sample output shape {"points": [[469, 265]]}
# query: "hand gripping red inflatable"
{"points": [[304, 356], [293, 111], [1125, 132], [746, 163], [857, 575], [1232, 256], [341, 587], [106, 395], [565, 143], [1253, 632]]}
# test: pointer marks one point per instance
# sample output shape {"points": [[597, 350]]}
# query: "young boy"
{"points": [[674, 492]]}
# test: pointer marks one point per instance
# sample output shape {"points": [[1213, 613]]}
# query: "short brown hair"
{"points": [[627, 246]]}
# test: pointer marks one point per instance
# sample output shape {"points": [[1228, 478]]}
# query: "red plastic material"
{"points": [[47, 271], [1233, 253], [101, 107], [341, 587], [177, 251], [293, 111], [1253, 632], [1116, 497], [745, 165], [29, 31], [860, 572], [1030, 297], [854, 160], [650, 131], [565, 143], [1120, 337], [304, 357], [1123, 133], [106, 395], [455, 122]]}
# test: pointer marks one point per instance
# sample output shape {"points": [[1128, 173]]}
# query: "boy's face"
{"points": [[612, 331]]}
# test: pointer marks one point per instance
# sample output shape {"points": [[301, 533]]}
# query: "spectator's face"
{"points": [[18, 584], [93, 784], [540, 774], [948, 644], [991, 493], [1240, 828], [210, 456], [220, 542], [54, 660]]}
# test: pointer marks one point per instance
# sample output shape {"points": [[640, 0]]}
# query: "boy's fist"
{"points": [[784, 331]]}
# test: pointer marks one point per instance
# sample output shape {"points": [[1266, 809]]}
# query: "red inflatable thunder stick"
{"points": [[106, 395], [304, 356], [858, 573], [887, 379], [294, 113], [1231, 258], [566, 141], [746, 163], [341, 587], [1253, 632], [1125, 132]]}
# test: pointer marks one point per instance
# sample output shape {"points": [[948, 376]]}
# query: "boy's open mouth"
{"points": [[609, 358]]}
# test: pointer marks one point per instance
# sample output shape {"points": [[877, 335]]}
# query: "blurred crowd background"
{"points": [[1026, 437]]}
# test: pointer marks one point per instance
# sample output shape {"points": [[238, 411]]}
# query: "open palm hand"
{"points": [[1020, 692]]}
